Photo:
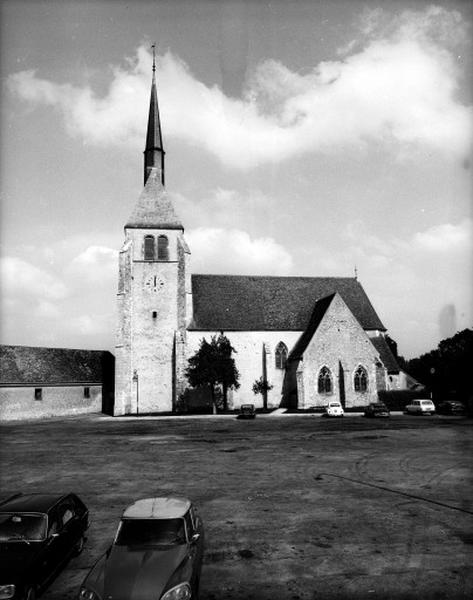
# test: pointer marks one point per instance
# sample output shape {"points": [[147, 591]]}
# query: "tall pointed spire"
{"points": [[154, 151]]}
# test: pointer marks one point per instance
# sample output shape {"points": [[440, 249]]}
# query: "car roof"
{"points": [[31, 502], [157, 508]]}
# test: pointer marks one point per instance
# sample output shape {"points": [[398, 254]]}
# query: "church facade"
{"points": [[314, 339]]}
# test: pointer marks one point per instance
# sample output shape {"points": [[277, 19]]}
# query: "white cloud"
{"points": [[20, 278], [411, 282], [446, 238], [233, 251], [95, 264], [399, 88]]}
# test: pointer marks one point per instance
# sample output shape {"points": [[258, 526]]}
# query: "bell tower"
{"points": [[154, 280]]}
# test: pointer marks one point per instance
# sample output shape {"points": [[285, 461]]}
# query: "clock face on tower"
{"points": [[154, 283]]}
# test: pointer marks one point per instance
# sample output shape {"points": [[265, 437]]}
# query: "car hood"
{"points": [[16, 558], [138, 574]]}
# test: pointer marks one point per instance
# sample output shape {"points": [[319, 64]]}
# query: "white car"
{"points": [[333, 409], [420, 407]]}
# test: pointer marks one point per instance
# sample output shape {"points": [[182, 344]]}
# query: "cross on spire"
{"points": [[153, 47]]}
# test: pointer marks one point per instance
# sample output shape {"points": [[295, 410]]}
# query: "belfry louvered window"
{"points": [[360, 380], [163, 248], [280, 356], [149, 247], [324, 382]]}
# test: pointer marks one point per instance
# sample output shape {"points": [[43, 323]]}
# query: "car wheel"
{"points": [[79, 546], [30, 593]]}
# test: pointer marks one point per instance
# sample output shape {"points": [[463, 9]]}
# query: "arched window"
{"points": [[360, 379], [281, 355], [149, 247], [324, 384], [163, 248]]}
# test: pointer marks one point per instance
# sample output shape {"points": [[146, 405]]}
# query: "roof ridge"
{"points": [[274, 276]]}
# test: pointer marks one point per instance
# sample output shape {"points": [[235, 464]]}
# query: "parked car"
{"points": [[247, 411], [451, 407], [420, 407], [156, 554], [333, 409], [376, 409], [38, 534]]}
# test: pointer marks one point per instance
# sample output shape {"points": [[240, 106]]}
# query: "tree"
{"points": [[262, 386], [214, 367], [446, 370]]}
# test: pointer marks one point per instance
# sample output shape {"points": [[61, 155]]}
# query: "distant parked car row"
{"points": [[419, 406], [156, 553]]}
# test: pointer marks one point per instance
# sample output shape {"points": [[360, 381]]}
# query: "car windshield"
{"points": [[22, 526], [427, 402], [151, 532], [334, 404]]}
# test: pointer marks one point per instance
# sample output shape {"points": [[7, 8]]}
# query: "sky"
{"points": [[302, 138]]}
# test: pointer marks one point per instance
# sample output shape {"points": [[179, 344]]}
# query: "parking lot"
{"points": [[294, 507]]}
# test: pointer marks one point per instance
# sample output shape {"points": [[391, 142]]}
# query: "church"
{"points": [[314, 339]]}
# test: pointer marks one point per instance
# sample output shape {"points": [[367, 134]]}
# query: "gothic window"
{"points": [[361, 379], [281, 355], [149, 247], [163, 248], [324, 384]]}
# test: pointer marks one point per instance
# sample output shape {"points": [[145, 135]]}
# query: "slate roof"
{"points": [[28, 365], [320, 308], [154, 138], [255, 303], [154, 209], [387, 357]]}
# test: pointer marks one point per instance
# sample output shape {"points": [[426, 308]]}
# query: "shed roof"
{"points": [[157, 508], [30, 365], [255, 303]]}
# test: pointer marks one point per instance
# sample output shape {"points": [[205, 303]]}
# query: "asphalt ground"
{"points": [[294, 508]]}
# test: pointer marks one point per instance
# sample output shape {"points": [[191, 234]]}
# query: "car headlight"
{"points": [[86, 594], [7, 591], [178, 592]]}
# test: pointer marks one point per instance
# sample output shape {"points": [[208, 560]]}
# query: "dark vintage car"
{"points": [[451, 407], [38, 534], [156, 554], [377, 409], [247, 411]]}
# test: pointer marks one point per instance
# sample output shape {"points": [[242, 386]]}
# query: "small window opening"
{"points": [[155, 314], [38, 393], [87, 392], [149, 247], [163, 248]]}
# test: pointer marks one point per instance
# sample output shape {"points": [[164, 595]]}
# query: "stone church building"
{"points": [[315, 339]]}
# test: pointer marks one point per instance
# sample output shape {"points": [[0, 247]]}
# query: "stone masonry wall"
{"points": [[249, 361], [340, 344], [20, 403]]}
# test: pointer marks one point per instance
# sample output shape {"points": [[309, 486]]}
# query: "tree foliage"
{"points": [[214, 367], [262, 386], [446, 370]]}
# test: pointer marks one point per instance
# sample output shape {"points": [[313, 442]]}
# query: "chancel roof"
{"points": [[154, 209], [255, 303], [29, 365], [385, 353]]}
